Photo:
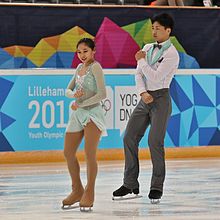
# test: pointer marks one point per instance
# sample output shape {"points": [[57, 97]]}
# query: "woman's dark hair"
{"points": [[164, 19], [88, 41]]}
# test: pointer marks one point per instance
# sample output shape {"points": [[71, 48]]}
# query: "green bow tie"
{"points": [[158, 54]]}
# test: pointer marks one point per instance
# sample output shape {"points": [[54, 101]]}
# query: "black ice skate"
{"points": [[122, 192], [155, 196]]}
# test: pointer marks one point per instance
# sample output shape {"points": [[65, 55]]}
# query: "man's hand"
{"points": [[147, 98], [140, 54], [74, 106], [78, 93]]}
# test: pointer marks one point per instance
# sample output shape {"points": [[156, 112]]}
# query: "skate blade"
{"points": [[155, 201], [121, 198], [68, 207], [86, 209]]}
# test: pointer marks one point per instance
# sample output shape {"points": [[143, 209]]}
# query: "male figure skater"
{"points": [[156, 65]]}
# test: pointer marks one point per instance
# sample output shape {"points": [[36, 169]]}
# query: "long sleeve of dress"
{"points": [[69, 90], [100, 83]]}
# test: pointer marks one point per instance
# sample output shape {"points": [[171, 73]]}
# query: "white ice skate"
{"points": [[67, 207], [86, 209], [71, 201]]}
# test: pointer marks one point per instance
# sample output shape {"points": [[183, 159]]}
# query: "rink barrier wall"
{"points": [[40, 121], [107, 155]]}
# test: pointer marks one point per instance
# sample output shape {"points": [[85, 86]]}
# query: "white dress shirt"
{"points": [[158, 75]]}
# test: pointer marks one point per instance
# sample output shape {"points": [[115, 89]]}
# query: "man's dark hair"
{"points": [[164, 19]]}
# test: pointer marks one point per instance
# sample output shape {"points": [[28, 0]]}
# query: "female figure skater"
{"points": [[87, 120]]}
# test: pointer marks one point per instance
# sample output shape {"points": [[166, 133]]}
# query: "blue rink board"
{"points": [[34, 111]]}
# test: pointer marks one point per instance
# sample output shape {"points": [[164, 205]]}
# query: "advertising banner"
{"points": [[34, 110]]}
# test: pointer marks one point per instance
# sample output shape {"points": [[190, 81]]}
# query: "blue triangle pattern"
{"points": [[4, 144], [186, 85], [200, 97], [168, 141], [187, 61], [175, 109], [51, 62], [179, 96], [60, 60], [194, 124], [5, 87], [66, 58], [29, 64], [24, 64], [18, 61], [183, 134], [9, 64], [186, 118], [215, 138], [173, 129], [195, 65], [218, 116], [6, 121], [211, 120], [4, 56], [217, 90], [194, 140], [205, 135], [59, 63], [203, 114], [208, 85]]}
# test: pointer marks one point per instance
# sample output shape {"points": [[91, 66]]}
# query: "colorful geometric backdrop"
{"points": [[116, 47]]}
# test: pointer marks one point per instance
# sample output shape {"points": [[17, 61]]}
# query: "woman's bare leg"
{"points": [[71, 144], [92, 137]]}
